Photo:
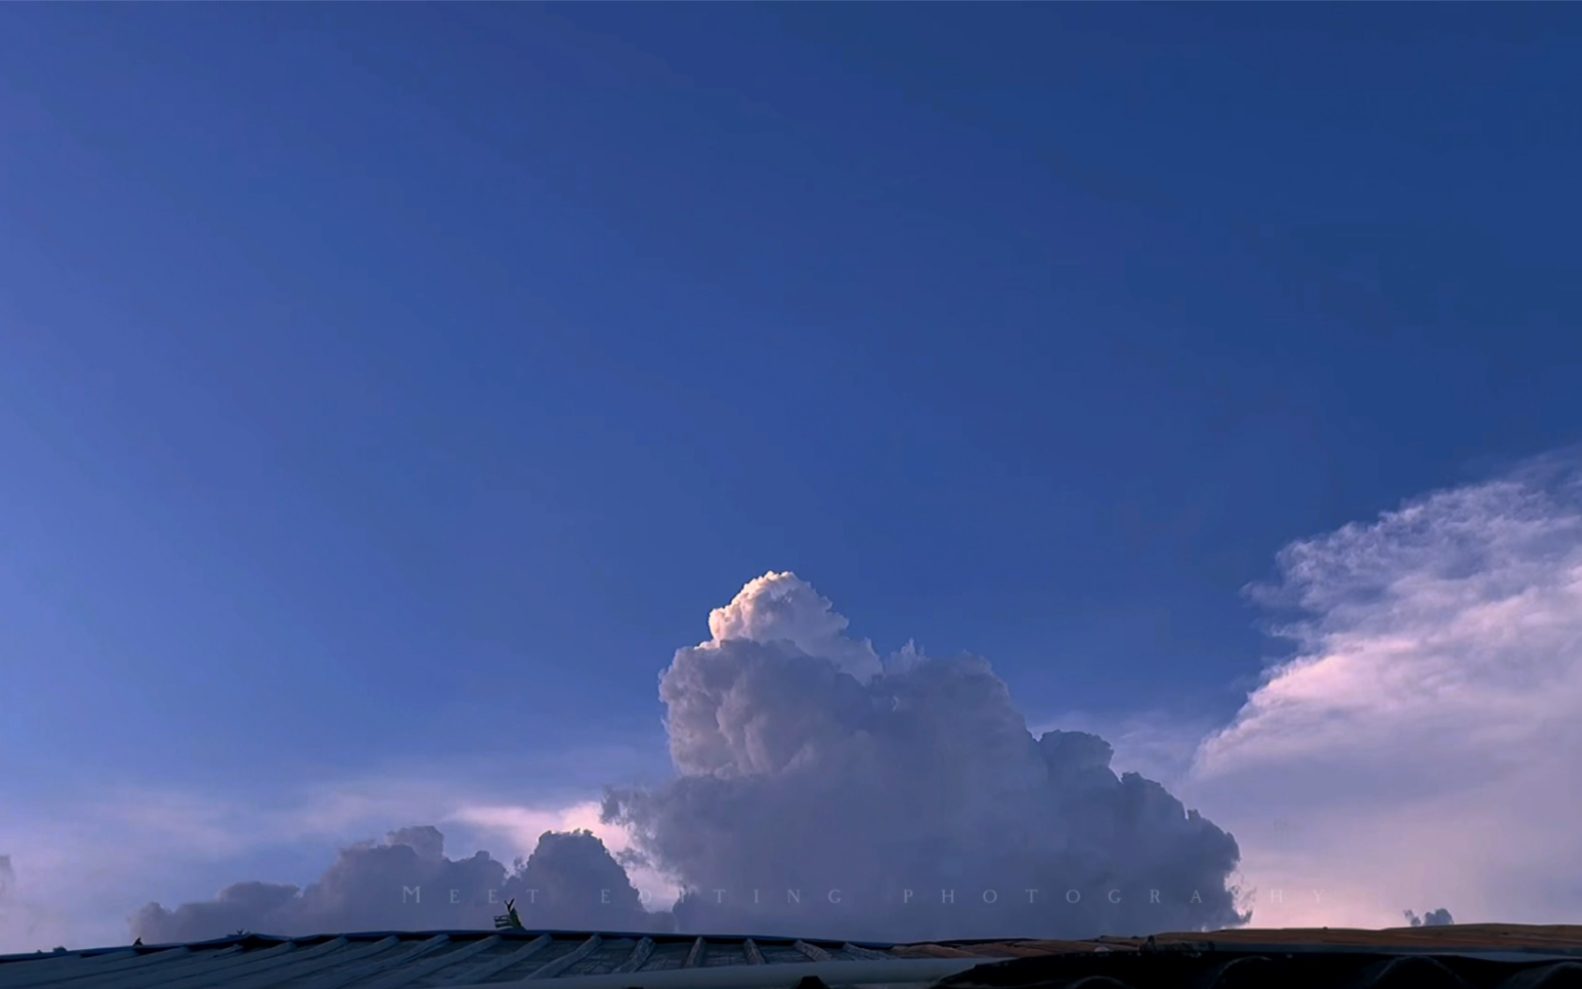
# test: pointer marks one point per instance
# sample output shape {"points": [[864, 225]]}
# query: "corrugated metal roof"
{"points": [[474, 959], [1456, 957]]}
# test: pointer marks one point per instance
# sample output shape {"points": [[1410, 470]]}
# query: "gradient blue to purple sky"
{"points": [[388, 391]]}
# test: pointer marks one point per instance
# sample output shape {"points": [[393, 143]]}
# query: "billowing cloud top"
{"points": [[779, 607]]}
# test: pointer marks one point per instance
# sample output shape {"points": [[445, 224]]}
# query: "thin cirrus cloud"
{"points": [[1424, 742]]}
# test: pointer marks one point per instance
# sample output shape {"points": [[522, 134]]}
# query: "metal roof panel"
{"points": [[1477, 956]]}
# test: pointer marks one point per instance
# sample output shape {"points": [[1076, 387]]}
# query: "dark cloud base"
{"points": [[893, 801], [572, 882]]}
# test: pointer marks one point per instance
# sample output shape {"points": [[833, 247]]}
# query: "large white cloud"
{"points": [[1424, 743], [809, 768]]}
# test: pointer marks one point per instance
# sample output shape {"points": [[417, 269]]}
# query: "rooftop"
{"points": [[1454, 957]]}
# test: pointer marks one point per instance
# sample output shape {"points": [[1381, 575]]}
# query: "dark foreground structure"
{"points": [[1467, 956]]}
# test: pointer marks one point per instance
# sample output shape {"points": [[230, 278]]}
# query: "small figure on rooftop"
{"points": [[510, 920]]}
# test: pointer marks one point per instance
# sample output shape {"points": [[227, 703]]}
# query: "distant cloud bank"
{"points": [[407, 883]]}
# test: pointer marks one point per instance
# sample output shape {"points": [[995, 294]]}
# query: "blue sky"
{"points": [[387, 392]]}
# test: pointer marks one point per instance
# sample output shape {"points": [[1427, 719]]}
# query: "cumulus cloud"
{"points": [[1425, 739], [1433, 918], [407, 882], [821, 792], [818, 791]]}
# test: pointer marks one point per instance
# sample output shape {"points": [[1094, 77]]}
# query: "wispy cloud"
{"points": [[1425, 740]]}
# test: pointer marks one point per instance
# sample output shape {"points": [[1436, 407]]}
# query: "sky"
{"points": [[459, 417]]}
